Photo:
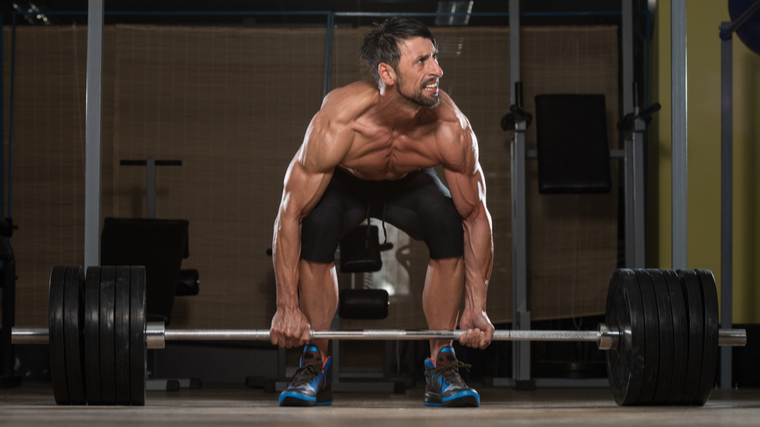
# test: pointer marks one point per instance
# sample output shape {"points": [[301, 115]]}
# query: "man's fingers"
{"points": [[305, 336]]}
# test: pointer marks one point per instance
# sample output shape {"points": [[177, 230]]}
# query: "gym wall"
{"points": [[233, 104]]}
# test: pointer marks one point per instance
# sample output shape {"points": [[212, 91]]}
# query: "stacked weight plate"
{"points": [[97, 335], [668, 347]]}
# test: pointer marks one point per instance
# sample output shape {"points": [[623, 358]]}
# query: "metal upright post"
{"points": [[635, 233], [150, 185], [726, 202], [520, 313], [679, 134], [92, 133]]}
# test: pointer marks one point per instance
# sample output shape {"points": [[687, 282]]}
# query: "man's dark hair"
{"points": [[382, 44]]}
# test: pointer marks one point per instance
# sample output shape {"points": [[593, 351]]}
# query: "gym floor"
{"points": [[32, 405]]}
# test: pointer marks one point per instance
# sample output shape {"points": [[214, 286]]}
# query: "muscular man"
{"points": [[369, 151]]}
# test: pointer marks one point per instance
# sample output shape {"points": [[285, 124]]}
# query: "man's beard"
{"points": [[418, 97]]}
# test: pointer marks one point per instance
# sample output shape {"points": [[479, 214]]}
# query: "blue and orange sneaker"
{"points": [[444, 385], [311, 384]]}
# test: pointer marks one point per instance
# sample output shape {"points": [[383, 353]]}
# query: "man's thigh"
{"points": [[422, 207], [339, 211]]}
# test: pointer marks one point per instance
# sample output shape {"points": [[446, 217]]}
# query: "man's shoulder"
{"points": [[450, 116], [345, 104], [455, 136]]}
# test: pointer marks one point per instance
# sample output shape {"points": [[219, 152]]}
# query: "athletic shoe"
{"points": [[444, 385], [311, 384]]}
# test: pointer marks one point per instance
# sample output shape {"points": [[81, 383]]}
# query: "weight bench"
{"points": [[359, 253]]}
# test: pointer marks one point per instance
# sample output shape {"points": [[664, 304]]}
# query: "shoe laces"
{"points": [[305, 374], [450, 372]]}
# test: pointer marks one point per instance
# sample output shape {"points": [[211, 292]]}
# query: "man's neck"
{"points": [[395, 111]]}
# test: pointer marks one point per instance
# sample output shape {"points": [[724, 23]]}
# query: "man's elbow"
{"points": [[477, 215]]}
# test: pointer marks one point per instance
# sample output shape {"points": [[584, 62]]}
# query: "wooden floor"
{"points": [[32, 405]]}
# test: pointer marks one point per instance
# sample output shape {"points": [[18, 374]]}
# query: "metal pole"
{"points": [[635, 235], [156, 334], [727, 200], [679, 148], [150, 185], [2, 121], [326, 80], [520, 313], [10, 118], [92, 133]]}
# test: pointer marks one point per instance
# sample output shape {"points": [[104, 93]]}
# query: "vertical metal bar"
{"points": [[326, 81], [2, 121], [92, 134], [628, 164], [726, 202], [150, 184], [679, 148], [520, 351], [8, 309], [639, 195], [10, 117], [331, 32]]}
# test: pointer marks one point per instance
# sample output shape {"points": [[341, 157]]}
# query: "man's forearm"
{"points": [[478, 258], [286, 250]]}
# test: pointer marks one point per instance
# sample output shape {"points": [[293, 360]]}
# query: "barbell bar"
{"points": [[660, 331], [156, 335]]}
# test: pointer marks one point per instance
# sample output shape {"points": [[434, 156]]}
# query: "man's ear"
{"points": [[387, 73]]}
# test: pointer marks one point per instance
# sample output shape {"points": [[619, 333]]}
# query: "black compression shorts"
{"points": [[418, 204]]}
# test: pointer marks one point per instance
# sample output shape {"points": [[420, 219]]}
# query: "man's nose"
{"points": [[435, 69]]}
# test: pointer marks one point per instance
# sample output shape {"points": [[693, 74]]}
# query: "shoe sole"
{"points": [[466, 401], [295, 399]]}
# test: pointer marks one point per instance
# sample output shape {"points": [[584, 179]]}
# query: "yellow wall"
{"points": [[703, 116]]}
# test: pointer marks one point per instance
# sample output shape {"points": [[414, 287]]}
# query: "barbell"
{"points": [[660, 332]]}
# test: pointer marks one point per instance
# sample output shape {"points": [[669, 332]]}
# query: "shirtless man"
{"points": [[369, 151]]}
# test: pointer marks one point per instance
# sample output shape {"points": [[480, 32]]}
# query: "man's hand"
{"points": [[479, 329], [290, 328]]}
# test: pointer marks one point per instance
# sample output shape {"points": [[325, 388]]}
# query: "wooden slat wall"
{"points": [[233, 104]]}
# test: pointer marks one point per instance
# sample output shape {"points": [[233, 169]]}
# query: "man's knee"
{"points": [[445, 235]]}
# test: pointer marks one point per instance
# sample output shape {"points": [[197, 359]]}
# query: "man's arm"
{"points": [[306, 179], [468, 191]]}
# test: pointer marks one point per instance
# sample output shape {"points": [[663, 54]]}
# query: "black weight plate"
{"points": [[92, 335], [665, 316], [138, 355], [73, 320], [121, 327], [107, 335], [652, 345], [680, 336], [693, 297], [55, 335], [625, 365], [710, 354]]}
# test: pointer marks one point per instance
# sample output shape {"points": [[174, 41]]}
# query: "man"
{"points": [[369, 151]]}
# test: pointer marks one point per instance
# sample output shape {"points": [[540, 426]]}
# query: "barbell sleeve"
{"points": [[156, 335]]}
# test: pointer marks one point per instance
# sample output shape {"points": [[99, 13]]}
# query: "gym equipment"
{"points": [[745, 17], [643, 341]]}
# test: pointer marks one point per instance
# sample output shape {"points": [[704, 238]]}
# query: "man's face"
{"points": [[418, 72]]}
